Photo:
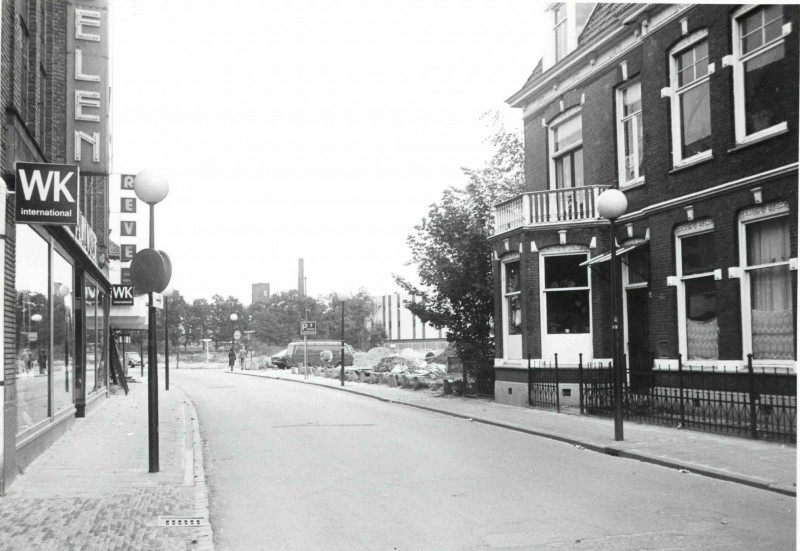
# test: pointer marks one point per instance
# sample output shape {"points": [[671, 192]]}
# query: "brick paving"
{"points": [[92, 490], [766, 465]]}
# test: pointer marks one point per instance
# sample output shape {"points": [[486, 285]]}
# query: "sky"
{"points": [[308, 129]]}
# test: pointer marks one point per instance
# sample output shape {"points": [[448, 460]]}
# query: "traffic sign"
{"points": [[237, 334], [308, 327]]}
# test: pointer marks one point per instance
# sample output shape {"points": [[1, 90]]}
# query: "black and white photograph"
{"points": [[372, 275]]}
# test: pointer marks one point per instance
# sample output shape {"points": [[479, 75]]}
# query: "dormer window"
{"points": [[568, 20], [560, 31]]}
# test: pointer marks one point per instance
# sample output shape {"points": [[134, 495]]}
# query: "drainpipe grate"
{"points": [[182, 521]]}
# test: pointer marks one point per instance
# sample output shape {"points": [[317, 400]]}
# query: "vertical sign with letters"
{"points": [[87, 85]]}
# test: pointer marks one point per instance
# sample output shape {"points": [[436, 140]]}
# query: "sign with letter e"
{"points": [[122, 295], [308, 327], [47, 194]]}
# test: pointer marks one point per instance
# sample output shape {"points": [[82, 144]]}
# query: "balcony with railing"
{"points": [[557, 206]]}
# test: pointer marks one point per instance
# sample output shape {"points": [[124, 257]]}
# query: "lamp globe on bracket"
{"points": [[611, 204], [150, 186]]}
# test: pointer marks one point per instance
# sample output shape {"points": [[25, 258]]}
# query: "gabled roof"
{"points": [[603, 17], [534, 75]]}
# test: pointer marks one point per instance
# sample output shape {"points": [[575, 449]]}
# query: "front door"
{"points": [[639, 359]]}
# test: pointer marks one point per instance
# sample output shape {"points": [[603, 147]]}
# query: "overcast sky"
{"points": [[308, 129]]}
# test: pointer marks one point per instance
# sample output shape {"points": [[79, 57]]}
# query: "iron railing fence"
{"points": [[755, 402], [751, 402]]}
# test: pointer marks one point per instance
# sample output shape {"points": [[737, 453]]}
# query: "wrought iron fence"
{"points": [[753, 402]]}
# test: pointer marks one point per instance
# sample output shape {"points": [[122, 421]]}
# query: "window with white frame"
{"points": [[761, 92], [566, 290], [691, 100], [629, 134], [767, 291], [560, 31], [697, 300], [566, 152], [512, 296]]}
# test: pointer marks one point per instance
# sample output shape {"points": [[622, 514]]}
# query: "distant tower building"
{"points": [[301, 283], [260, 292]]}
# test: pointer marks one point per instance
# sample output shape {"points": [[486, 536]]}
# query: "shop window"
{"points": [[691, 100], [90, 349], [629, 134], [512, 297], [768, 287], [566, 294], [761, 91], [697, 305], [101, 351], [33, 321], [63, 364]]}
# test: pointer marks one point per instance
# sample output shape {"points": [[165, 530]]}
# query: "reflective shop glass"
{"points": [[101, 352], [33, 321], [63, 364], [90, 348]]}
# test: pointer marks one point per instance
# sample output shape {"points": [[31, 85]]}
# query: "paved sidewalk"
{"points": [[92, 490], [765, 465]]}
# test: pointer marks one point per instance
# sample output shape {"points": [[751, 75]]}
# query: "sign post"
{"points": [[307, 328]]}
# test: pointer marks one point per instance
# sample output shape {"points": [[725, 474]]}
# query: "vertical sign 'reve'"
{"points": [[87, 85], [46, 194]]}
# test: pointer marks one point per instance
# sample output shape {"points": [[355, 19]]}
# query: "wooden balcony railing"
{"points": [[547, 207]]}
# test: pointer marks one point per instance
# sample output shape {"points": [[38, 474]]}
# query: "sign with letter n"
{"points": [[122, 295], [46, 194]]}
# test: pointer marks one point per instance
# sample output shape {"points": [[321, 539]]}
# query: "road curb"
{"points": [[606, 450], [205, 533]]}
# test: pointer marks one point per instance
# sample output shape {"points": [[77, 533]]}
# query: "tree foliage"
{"points": [[451, 250]]}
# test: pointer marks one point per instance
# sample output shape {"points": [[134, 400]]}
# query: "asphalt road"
{"points": [[294, 466]]}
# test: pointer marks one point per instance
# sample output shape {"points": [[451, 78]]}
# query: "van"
{"points": [[294, 353]]}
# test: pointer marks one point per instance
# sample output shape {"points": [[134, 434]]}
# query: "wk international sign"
{"points": [[47, 194], [122, 295]]}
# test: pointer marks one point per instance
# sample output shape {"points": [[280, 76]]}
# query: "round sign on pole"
{"points": [[237, 334]]}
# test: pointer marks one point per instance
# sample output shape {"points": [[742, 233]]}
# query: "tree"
{"points": [[451, 250], [358, 328]]}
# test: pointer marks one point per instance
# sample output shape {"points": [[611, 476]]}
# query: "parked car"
{"points": [[279, 359], [133, 357], [295, 351]]}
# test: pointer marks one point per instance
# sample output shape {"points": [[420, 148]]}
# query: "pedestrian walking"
{"points": [[242, 357], [42, 360], [231, 358]]}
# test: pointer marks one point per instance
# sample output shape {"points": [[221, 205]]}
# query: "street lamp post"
{"points": [[166, 340], [151, 188], [234, 317], [343, 297], [611, 204]]}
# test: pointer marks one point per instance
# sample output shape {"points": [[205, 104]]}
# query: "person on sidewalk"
{"points": [[242, 357], [231, 358], [42, 361]]}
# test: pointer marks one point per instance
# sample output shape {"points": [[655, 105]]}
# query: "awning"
{"points": [[127, 322], [607, 256]]}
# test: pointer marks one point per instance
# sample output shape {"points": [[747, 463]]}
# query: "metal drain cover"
{"points": [[182, 521]]}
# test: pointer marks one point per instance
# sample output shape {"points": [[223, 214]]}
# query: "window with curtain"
{"points": [[512, 297], [629, 134], [770, 284], [699, 311], [567, 294]]}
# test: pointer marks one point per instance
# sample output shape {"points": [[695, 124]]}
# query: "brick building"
{"points": [[54, 94], [691, 111]]}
